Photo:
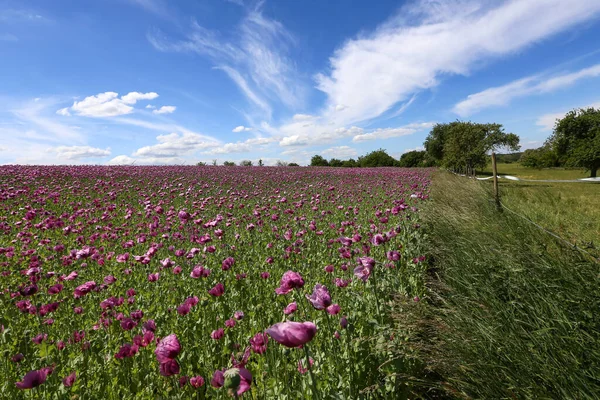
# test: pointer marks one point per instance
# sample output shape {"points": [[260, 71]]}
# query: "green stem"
{"points": [[312, 377]]}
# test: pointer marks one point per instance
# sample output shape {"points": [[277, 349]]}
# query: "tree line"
{"points": [[464, 147]]}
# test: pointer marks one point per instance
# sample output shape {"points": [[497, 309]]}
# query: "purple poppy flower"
{"points": [[290, 308], [169, 368], [259, 343], [34, 378], [167, 349], [289, 282], [320, 297], [197, 381], [217, 290], [292, 334], [69, 380]]}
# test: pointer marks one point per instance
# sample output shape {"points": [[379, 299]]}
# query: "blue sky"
{"points": [[173, 82]]}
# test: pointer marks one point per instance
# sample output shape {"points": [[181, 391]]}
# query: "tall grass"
{"points": [[512, 313]]}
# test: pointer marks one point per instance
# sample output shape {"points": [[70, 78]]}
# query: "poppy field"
{"points": [[205, 282]]}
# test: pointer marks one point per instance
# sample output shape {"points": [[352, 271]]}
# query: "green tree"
{"points": [[318, 161], [293, 164], [229, 163], [351, 163], [462, 146], [413, 159], [245, 163], [542, 157], [334, 162], [201, 163], [377, 158], [282, 163], [260, 163], [576, 139]]}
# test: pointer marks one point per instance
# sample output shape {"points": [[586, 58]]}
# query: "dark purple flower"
{"points": [[167, 349], [259, 343], [290, 308], [218, 290], [169, 368], [289, 281], [33, 379], [69, 380]]}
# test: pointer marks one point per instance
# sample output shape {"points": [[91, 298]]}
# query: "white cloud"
{"points": [[33, 113], [340, 152], [150, 106], [134, 97], [126, 160], [254, 57], [387, 133], [107, 104], [165, 110], [429, 39], [79, 152], [175, 145], [532, 85], [246, 146], [547, 121], [241, 128], [418, 148], [64, 112]]}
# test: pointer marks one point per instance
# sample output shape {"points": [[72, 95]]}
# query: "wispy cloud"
{"points": [[532, 85], [254, 57], [79, 152], [165, 110], [429, 39], [547, 121]]}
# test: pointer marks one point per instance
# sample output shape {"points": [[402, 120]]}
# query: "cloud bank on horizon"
{"points": [[176, 83]]}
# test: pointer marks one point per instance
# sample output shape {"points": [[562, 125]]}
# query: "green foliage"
{"points": [[377, 158], [318, 161], [462, 146], [576, 139], [260, 163], [508, 158], [334, 162], [542, 157], [413, 159], [200, 163], [293, 164], [280, 163], [229, 163], [516, 311], [245, 163], [351, 163]]}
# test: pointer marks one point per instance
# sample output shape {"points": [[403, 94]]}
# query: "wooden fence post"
{"points": [[495, 173]]}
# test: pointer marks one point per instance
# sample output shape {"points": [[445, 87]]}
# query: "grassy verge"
{"points": [[567, 209], [513, 313]]}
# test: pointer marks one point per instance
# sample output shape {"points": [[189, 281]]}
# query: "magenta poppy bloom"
{"points": [[17, 358], [78, 310], [292, 334], [183, 309], [291, 308], [343, 322], [55, 289], [217, 334], [238, 315], [393, 255], [33, 379], [109, 279], [378, 239], [289, 281], [128, 324], [197, 381], [364, 269], [84, 289], [153, 277], [218, 379], [218, 290], [259, 343], [149, 325], [126, 351], [230, 323], [167, 349], [333, 309], [169, 368], [320, 297], [227, 263], [245, 381], [69, 380]]}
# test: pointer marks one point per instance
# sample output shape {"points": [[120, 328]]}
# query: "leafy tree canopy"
{"points": [[576, 139]]}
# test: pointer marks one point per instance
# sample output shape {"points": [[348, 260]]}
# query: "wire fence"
{"points": [[559, 238]]}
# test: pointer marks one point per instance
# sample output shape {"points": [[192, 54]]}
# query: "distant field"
{"points": [[569, 209]]}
